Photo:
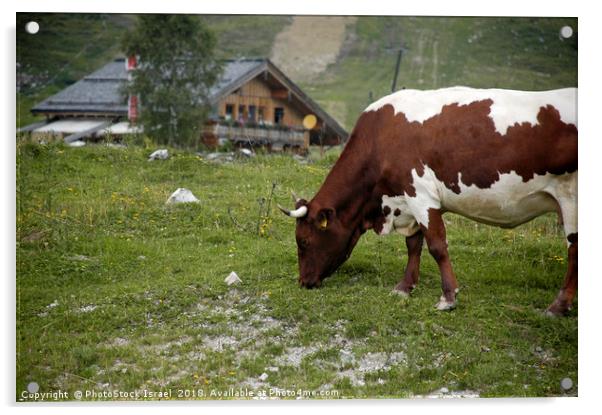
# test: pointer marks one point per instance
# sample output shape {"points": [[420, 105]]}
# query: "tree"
{"points": [[175, 72]]}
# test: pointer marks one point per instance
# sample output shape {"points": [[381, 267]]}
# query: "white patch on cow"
{"points": [[413, 209], [404, 223], [565, 192], [509, 201], [509, 107]]}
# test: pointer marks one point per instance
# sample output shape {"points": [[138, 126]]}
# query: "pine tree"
{"points": [[176, 69]]}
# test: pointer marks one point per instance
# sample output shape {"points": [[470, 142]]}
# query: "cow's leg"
{"points": [[434, 234], [564, 300], [410, 279]]}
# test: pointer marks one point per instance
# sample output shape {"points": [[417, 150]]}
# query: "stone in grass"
{"points": [[246, 152], [263, 377], [77, 143], [232, 279], [182, 195], [79, 258], [161, 154]]}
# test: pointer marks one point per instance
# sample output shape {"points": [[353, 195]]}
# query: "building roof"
{"points": [[97, 93], [100, 93]]}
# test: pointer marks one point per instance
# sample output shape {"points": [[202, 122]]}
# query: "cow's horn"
{"points": [[297, 213], [295, 197]]}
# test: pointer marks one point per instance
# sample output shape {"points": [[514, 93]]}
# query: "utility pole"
{"points": [[400, 51], [399, 54]]}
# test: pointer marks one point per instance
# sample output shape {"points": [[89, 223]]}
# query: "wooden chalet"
{"points": [[253, 104]]}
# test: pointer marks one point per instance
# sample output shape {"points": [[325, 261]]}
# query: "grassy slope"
{"points": [[86, 216], [245, 36], [515, 53]]}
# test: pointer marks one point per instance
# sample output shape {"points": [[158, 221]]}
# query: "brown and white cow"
{"points": [[500, 157]]}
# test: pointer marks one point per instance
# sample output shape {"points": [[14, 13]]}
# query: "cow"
{"points": [[499, 157]]}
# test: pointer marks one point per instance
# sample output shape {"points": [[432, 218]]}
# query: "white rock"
{"points": [[246, 152], [161, 154], [182, 195], [263, 377], [88, 308], [77, 143], [232, 279], [347, 356]]}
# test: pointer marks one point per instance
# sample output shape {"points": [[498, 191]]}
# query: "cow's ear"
{"points": [[325, 217]]}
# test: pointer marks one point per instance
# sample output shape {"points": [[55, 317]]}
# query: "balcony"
{"points": [[275, 137]]}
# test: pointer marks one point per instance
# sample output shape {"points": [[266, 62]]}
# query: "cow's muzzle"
{"points": [[310, 283]]}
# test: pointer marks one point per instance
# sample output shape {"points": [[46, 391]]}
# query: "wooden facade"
{"points": [[255, 102], [265, 108]]}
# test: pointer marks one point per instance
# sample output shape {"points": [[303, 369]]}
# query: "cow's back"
{"points": [[475, 134]]}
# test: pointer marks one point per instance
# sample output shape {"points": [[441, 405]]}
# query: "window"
{"points": [[261, 115], [278, 115], [242, 116], [229, 112], [252, 111]]}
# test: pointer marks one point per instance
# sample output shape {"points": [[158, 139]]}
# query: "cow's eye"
{"points": [[303, 243]]}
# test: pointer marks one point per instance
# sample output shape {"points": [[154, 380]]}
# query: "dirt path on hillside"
{"points": [[306, 47]]}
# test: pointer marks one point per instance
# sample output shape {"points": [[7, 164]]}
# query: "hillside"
{"points": [[518, 53], [515, 53]]}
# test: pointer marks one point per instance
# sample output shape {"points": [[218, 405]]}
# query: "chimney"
{"points": [[133, 109], [130, 64]]}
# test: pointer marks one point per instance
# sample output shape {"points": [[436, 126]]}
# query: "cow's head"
{"points": [[323, 241]]}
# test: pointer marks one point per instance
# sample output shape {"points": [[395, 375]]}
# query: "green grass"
{"points": [[117, 291], [248, 36]]}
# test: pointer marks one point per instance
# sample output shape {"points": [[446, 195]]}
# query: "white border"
{"points": [[335, 7], [590, 139]]}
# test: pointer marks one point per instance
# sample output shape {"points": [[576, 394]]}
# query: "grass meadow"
{"points": [[117, 291]]}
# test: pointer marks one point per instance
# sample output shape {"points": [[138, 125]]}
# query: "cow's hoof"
{"points": [[444, 305], [401, 293], [556, 310]]}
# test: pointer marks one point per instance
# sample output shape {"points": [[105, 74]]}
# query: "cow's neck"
{"points": [[351, 188]]}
